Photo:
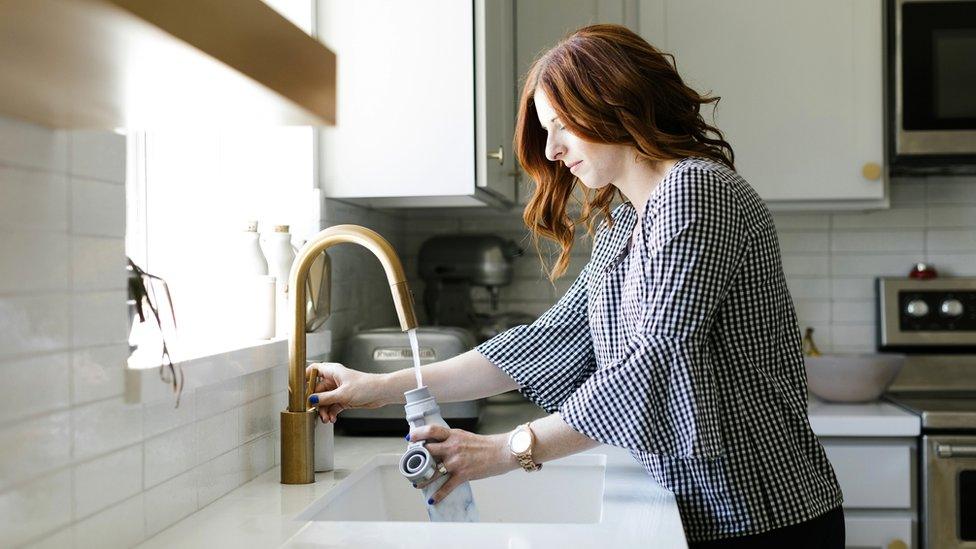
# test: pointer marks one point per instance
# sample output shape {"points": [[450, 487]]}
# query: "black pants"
{"points": [[823, 532]]}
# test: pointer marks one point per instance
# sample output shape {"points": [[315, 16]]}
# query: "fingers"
{"points": [[437, 433], [452, 482], [327, 398]]}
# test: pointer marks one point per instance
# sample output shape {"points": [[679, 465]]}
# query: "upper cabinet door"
{"points": [[495, 96], [424, 94], [405, 115], [801, 89]]}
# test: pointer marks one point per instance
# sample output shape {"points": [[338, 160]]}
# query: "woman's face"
{"points": [[595, 164]]}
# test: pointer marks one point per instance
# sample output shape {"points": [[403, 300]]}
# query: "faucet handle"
{"points": [[313, 376]]}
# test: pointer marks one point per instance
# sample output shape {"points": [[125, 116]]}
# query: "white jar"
{"points": [[250, 260], [253, 306], [281, 255]]}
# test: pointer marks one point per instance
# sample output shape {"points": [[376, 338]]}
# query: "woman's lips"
{"points": [[573, 167]]}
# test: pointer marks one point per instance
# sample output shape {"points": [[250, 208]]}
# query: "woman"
{"points": [[678, 340]]}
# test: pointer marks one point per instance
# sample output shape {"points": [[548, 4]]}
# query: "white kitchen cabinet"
{"points": [[877, 477], [425, 102], [801, 84]]}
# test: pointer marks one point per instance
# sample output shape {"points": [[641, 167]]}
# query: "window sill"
{"points": [[144, 384]]}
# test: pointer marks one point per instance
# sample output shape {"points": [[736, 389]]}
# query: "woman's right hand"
{"points": [[339, 388]]}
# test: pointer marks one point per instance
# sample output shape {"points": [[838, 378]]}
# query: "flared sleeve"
{"points": [[551, 357], [660, 397]]}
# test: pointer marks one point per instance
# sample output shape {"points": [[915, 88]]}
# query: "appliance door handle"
{"points": [[950, 451]]}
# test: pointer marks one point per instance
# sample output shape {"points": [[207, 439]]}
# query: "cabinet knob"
{"points": [[897, 544], [498, 155], [871, 171]]}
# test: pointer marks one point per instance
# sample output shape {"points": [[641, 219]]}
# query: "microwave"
{"points": [[931, 47]]}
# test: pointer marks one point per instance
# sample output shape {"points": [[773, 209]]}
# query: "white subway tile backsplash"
{"points": [[876, 241], [98, 155], [162, 415], [809, 288], [853, 288], [852, 311], [953, 264], [97, 263], [217, 435], [812, 311], [800, 242], [257, 456], [33, 376], [97, 208], [34, 446], [951, 216], [895, 218], [33, 200], [806, 265], [220, 397], [33, 262], [258, 417], [32, 146], [170, 454], [948, 240], [106, 480], [170, 501], [99, 318], [33, 324], [791, 220], [859, 336], [98, 373], [34, 509], [219, 476], [120, 526], [105, 426], [861, 264]]}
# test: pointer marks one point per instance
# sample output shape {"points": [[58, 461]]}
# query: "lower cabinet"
{"points": [[878, 478]]}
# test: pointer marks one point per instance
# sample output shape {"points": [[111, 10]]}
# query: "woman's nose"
{"points": [[554, 149]]}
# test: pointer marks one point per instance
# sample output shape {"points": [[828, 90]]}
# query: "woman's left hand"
{"points": [[465, 455]]}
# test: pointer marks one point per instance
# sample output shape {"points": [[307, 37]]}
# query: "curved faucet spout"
{"points": [[297, 421]]}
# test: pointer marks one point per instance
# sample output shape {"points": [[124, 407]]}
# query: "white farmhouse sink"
{"points": [[579, 501], [569, 492]]}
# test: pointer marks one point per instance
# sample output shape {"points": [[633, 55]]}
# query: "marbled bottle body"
{"points": [[458, 506]]}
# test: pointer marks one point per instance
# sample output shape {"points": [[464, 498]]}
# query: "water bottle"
{"points": [[417, 465]]}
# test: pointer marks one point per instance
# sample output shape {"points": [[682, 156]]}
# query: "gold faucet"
{"points": [[298, 420]]}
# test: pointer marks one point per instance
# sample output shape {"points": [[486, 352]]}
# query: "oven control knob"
{"points": [[917, 308], [951, 307]]}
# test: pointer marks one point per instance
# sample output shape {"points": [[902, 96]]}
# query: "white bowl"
{"points": [[852, 377]]}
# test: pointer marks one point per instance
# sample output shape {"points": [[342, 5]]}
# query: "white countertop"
{"points": [[262, 512], [873, 419]]}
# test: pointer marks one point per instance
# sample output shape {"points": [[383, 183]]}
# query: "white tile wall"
{"points": [[830, 259], [78, 465]]}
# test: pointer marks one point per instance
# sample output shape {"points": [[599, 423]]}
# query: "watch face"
{"points": [[521, 441]]}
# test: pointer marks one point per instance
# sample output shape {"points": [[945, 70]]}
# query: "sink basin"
{"points": [[586, 500], [570, 492]]}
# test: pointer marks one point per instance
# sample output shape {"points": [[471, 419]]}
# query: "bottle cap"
{"points": [[252, 227], [281, 228]]}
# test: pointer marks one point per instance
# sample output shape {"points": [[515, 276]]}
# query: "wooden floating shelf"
{"points": [[161, 63]]}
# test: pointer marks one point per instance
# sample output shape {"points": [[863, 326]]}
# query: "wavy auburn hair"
{"points": [[610, 86]]}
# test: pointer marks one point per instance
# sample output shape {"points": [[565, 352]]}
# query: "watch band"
{"points": [[525, 458]]}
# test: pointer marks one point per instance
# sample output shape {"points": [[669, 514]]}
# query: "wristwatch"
{"points": [[520, 443]]}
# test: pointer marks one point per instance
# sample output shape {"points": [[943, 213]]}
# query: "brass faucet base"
{"points": [[297, 447]]}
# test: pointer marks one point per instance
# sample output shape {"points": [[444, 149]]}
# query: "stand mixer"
{"points": [[451, 264]]}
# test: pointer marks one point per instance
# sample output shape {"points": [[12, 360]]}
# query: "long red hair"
{"points": [[608, 85]]}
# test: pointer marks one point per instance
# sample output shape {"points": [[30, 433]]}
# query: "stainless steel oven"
{"points": [[932, 48], [934, 322]]}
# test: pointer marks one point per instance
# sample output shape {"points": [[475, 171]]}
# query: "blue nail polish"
{"points": [[314, 399], [407, 437], [430, 501]]}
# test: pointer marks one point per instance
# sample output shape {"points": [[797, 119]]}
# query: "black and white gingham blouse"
{"points": [[685, 349]]}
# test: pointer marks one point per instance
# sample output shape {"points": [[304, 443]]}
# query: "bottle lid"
{"points": [[281, 228], [252, 227]]}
